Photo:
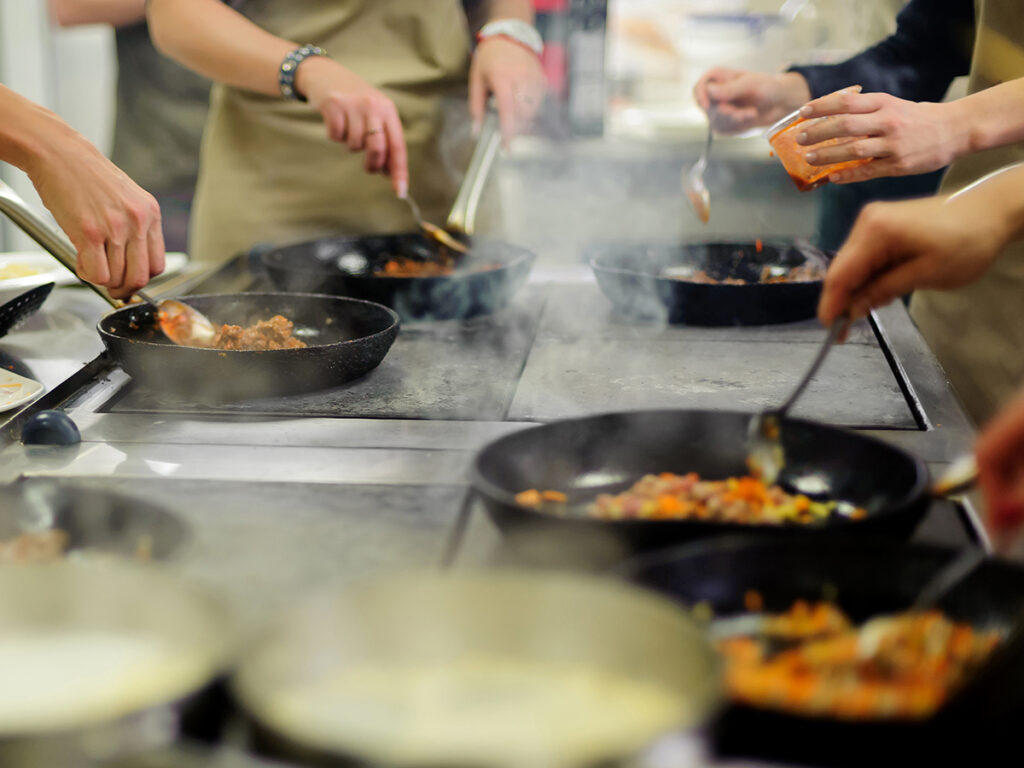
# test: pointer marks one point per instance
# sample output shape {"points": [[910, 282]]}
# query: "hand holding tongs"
{"points": [[181, 323]]}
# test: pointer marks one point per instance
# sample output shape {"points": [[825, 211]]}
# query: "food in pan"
{"points": [[61, 677], [35, 547], [478, 709], [811, 660], [275, 333], [770, 274], [402, 266], [668, 496]]}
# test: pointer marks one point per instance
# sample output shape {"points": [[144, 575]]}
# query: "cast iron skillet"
{"points": [[630, 274], [483, 281], [869, 579], [608, 453], [346, 339]]}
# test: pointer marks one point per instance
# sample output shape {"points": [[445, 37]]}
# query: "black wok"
{"points": [[483, 282], [346, 339], [631, 276], [608, 453], [868, 580]]}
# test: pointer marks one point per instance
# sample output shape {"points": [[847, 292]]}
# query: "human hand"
{"points": [[894, 248], [737, 100], [514, 75], [900, 137], [1000, 454], [359, 115], [112, 222]]}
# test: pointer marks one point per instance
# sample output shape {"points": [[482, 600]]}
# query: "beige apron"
{"points": [[268, 173], [977, 332]]}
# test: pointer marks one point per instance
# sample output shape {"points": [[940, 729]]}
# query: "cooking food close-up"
{"points": [[511, 383]]}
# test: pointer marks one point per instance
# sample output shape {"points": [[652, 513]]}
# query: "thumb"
{"points": [[734, 89]]}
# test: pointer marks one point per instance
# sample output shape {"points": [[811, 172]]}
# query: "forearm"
{"points": [[931, 46], [119, 13], [218, 42], [29, 133], [997, 201], [990, 118]]}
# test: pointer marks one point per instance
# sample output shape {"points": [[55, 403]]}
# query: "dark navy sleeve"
{"points": [[931, 46]]}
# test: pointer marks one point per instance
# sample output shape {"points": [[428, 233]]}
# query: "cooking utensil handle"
{"points": [[463, 214], [839, 327], [48, 235], [960, 476]]}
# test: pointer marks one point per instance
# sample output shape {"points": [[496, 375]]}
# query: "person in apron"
{"points": [[381, 76]]}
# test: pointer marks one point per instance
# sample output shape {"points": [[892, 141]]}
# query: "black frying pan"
{"points": [[346, 339], [631, 276], [483, 281], [608, 453], [869, 579]]}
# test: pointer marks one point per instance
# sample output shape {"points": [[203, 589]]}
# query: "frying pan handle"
{"points": [[463, 214], [48, 235]]}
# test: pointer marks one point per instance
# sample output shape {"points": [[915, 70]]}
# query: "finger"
{"points": [[876, 169], [858, 149], [336, 121], [398, 158], [506, 111], [477, 98], [115, 264], [730, 119], [847, 101], [889, 285], [376, 141], [839, 127], [735, 89], [136, 270], [356, 130], [155, 249], [92, 264]]}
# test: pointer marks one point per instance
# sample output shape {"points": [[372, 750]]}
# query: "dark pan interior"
{"points": [[346, 338], [482, 283], [868, 579], [607, 453], [631, 276]]}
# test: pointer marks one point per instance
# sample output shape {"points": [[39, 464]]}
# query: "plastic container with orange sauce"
{"points": [[782, 137]]}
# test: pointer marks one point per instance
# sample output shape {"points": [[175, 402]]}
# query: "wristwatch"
{"points": [[515, 30]]}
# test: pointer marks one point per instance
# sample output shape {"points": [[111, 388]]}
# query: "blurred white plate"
{"points": [[16, 390], [27, 269]]}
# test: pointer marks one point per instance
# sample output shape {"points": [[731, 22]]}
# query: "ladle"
{"points": [[181, 323], [693, 182], [766, 456]]}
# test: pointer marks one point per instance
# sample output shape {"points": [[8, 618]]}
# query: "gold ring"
{"points": [[373, 131]]}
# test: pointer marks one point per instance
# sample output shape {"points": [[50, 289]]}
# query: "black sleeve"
{"points": [[932, 45]]}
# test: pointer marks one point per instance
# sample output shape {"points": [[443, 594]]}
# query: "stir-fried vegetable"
{"points": [[686, 497]]}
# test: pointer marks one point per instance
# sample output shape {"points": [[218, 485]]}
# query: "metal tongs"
{"points": [[462, 218], [181, 323]]}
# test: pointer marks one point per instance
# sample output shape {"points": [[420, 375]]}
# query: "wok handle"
{"points": [[48, 235], [463, 214]]}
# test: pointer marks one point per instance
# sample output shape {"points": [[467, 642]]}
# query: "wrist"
{"points": [[311, 74], [513, 30], [35, 137], [963, 129]]}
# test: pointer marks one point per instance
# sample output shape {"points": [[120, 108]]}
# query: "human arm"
{"points": [[1000, 454], [118, 13], [507, 70], [113, 224], [931, 46], [935, 242], [217, 41]]}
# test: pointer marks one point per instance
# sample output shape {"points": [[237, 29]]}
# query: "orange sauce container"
{"points": [[782, 137]]}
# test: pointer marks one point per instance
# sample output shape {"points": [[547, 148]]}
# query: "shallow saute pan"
{"points": [[865, 579], [345, 338], [633, 276], [100, 659], [483, 281], [492, 669], [608, 453]]}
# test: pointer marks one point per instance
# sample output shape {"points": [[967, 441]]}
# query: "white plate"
{"points": [[16, 390], [43, 268]]}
